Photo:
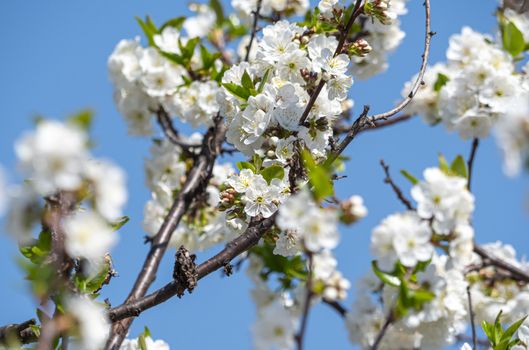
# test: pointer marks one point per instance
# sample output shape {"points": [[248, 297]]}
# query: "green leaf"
{"points": [[237, 90], [489, 330], [498, 329], [319, 177], [149, 29], [263, 82], [459, 167], [422, 296], [513, 41], [216, 6], [208, 59], [440, 82], [410, 177], [246, 81], [384, 276], [38, 251], [142, 343], [173, 57], [246, 165], [83, 119], [507, 335], [176, 22], [119, 222], [443, 165], [273, 172]]}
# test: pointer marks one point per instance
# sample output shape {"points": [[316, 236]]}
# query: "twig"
{"points": [[364, 122], [196, 183], [306, 306], [170, 132], [419, 81], [22, 332], [339, 308], [341, 129], [516, 272], [470, 163], [254, 29], [472, 323], [357, 10], [395, 188], [383, 330], [233, 249]]}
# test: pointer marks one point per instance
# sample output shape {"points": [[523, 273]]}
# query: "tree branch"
{"points": [[239, 245], [395, 188], [306, 306], [254, 29], [419, 81], [472, 323], [196, 183], [170, 132], [516, 272], [21, 332], [357, 10], [470, 163], [383, 330]]}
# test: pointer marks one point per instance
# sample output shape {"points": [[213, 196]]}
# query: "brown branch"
{"points": [[364, 122], [419, 81], [396, 189], [336, 306], [20, 332], [516, 272], [254, 29], [170, 132], [306, 306], [383, 330], [196, 183], [472, 322], [342, 129], [357, 10], [239, 245], [470, 163]]}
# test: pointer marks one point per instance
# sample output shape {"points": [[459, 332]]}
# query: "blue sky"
{"points": [[53, 62]]}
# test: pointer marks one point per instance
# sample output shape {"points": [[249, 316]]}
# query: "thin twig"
{"points": [[196, 183], [357, 10], [472, 322], [419, 81], [22, 332], [254, 30], [306, 306], [383, 330], [396, 189], [470, 163], [336, 306], [170, 132], [367, 122], [516, 272], [342, 129]]}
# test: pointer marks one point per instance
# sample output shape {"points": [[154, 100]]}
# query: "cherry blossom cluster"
{"points": [[166, 170], [145, 79], [245, 8], [383, 34], [55, 158], [480, 87], [58, 166], [405, 244]]}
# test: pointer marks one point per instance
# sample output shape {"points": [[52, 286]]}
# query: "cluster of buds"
{"points": [[359, 48], [228, 198], [352, 210], [378, 9]]}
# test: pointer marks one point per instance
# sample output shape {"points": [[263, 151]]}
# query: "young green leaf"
{"points": [[149, 29], [176, 22], [216, 6], [459, 167], [246, 165], [384, 276], [119, 222], [512, 37], [440, 82], [237, 90], [273, 172], [409, 177], [247, 82], [82, 120]]}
